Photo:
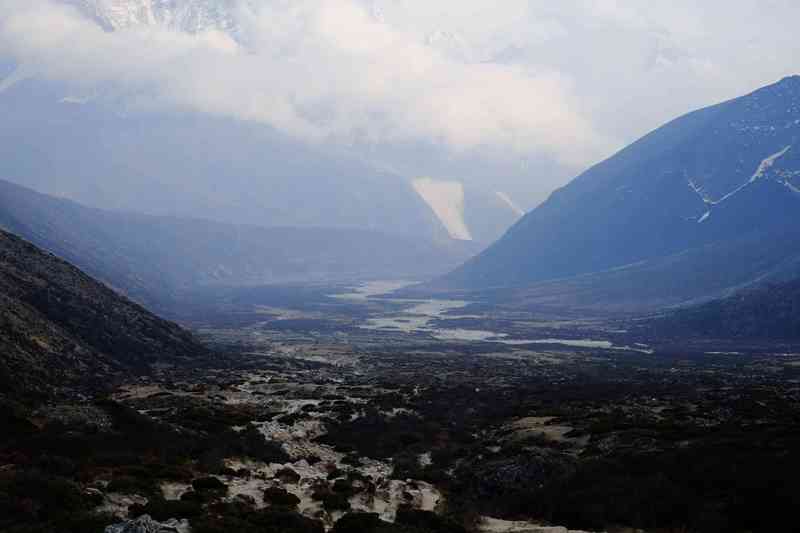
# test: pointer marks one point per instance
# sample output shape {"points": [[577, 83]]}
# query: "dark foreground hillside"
{"points": [[59, 327]]}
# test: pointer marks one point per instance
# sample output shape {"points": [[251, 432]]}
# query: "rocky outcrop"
{"points": [[60, 328]]}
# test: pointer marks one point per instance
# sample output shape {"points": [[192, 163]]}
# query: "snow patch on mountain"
{"points": [[118, 14], [767, 163], [791, 187], [706, 200], [760, 172], [762, 169], [510, 203], [446, 200], [699, 190]]}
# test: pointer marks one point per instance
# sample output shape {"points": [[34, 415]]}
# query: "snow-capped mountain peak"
{"points": [[191, 16]]}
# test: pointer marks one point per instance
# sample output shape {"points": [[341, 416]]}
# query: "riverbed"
{"points": [[419, 316]]}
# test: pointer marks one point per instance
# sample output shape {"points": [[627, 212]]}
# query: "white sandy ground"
{"points": [[493, 525], [542, 425], [297, 440], [117, 504]]}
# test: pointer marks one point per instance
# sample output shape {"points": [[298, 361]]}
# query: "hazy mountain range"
{"points": [[191, 165], [154, 258], [113, 146]]}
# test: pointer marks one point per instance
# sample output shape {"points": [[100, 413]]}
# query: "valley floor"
{"points": [[308, 417]]}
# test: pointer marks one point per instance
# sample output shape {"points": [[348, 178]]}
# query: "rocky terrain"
{"points": [[303, 431], [59, 328], [314, 408], [298, 419]]}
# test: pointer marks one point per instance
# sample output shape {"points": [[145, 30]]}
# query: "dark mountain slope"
{"points": [[697, 274], [768, 312], [153, 258], [59, 327], [707, 178]]}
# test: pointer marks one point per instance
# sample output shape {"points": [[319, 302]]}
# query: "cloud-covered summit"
{"points": [[326, 71], [538, 89]]}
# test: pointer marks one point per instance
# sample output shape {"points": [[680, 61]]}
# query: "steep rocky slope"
{"points": [[60, 328]]}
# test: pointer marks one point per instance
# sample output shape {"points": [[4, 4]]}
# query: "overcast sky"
{"points": [[567, 82]]}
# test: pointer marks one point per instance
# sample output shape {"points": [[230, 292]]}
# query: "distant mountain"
{"points": [[94, 151], [93, 148], [152, 259], [709, 190], [108, 146], [60, 328]]}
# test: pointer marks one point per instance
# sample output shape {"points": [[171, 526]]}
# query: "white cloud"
{"points": [[565, 81], [318, 69]]}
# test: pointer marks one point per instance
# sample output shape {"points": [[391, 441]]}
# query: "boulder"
{"points": [[209, 484], [287, 476], [280, 497]]}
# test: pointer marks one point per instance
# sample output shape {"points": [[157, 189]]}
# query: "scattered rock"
{"points": [[280, 497], [358, 523], [209, 484], [95, 496], [145, 524], [246, 500], [118, 504], [335, 472], [191, 496], [427, 521], [287, 476], [335, 502]]}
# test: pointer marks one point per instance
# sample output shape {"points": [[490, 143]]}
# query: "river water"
{"points": [[418, 316]]}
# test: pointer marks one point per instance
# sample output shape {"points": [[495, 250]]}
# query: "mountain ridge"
{"points": [[192, 165], [706, 177], [60, 329], [152, 259]]}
